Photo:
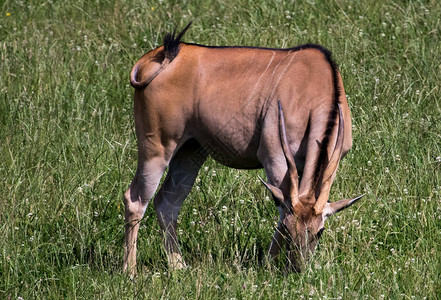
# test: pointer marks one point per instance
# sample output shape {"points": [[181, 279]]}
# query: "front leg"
{"points": [[276, 243]]}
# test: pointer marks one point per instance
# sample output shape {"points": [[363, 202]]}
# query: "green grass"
{"points": [[68, 152]]}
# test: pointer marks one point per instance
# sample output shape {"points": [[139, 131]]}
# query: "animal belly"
{"points": [[229, 127], [230, 159], [235, 157], [231, 146]]}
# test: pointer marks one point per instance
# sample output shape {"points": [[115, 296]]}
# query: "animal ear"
{"points": [[275, 191], [334, 207]]}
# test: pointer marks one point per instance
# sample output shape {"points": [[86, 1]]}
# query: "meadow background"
{"points": [[68, 152]]}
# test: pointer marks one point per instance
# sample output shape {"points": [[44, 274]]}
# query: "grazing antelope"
{"points": [[193, 101]]}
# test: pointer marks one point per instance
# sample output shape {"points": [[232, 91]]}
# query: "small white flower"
{"points": [[224, 208]]}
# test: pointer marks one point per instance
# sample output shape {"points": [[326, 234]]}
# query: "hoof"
{"points": [[176, 262]]}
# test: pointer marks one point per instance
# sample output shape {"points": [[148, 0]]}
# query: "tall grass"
{"points": [[68, 152]]}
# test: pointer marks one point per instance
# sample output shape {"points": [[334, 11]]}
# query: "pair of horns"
{"points": [[326, 178]]}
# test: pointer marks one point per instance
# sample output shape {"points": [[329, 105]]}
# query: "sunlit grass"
{"points": [[68, 152]]}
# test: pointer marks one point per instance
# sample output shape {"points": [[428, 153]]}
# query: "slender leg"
{"points": [[275, 169], [183, 169], [136, 199], [276, 243]]}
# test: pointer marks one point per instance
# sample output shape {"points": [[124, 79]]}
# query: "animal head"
{"points": [[303, 216]]}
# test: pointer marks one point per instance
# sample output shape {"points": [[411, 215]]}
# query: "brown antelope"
{"points": [[192, 101]]}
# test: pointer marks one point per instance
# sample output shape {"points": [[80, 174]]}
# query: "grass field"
{"points": [[68, 152]]}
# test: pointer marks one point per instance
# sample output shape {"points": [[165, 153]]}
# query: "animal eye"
{"points": [[320, 232]]}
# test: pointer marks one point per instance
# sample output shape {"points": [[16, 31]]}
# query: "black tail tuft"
{"points": [[171, 43]]}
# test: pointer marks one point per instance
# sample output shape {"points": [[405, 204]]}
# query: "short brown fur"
{"points": [[227, 102]]}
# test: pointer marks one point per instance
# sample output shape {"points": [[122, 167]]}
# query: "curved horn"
{"points": [[331, 167], [292, 170]]}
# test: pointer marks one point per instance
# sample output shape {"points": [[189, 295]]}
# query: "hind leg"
{"points": [[183, 169], [136, 199]]}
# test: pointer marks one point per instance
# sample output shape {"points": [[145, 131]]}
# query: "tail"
{"points": [[164, 57], [171, 43]]}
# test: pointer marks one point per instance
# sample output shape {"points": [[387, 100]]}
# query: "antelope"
{"points": [[283, 110]]}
